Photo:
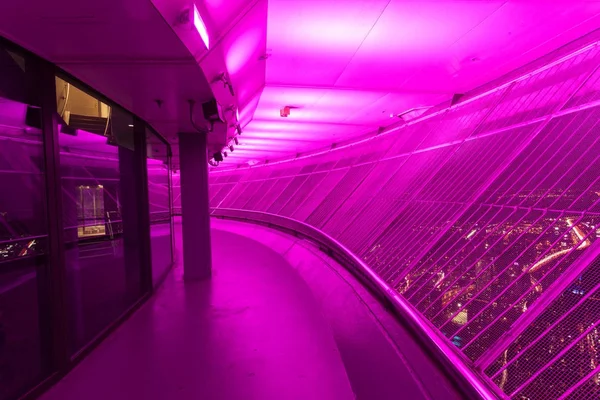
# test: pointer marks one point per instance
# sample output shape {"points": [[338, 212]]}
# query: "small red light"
{"points": [[284, 112]]}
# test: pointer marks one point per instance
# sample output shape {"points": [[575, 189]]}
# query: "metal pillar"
{"points": [[135, 213], [51, 277], [195, 214]]}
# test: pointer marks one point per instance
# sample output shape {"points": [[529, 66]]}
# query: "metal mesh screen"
{"points": [[483, 216]]}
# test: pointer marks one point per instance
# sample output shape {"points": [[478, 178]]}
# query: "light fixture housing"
{"points": [[213, 111], [201, 27]]}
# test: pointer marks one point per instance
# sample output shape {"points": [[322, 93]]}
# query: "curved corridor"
{"points": [[252, 332], [277, 321], [403, 199]]}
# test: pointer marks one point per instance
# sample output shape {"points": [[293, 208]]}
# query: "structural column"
{"points": [[51, 277], [134, 207], [193, 159]]}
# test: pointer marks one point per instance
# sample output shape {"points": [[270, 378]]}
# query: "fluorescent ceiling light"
{"points": [[200, 27]]}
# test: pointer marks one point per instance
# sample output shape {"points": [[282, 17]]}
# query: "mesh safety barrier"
{"points": [[484, 216]]}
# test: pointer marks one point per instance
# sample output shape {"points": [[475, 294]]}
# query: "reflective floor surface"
{"points": [[278, 320]]}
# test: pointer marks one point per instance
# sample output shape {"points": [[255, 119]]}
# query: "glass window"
{"points": [[176, 195], [176, 190], [159, 196], [23, 231], [90, 211], [101, 224]]}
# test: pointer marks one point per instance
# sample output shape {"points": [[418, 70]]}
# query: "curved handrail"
{"points": [[471, 381], [67, 92], [107, 120]]}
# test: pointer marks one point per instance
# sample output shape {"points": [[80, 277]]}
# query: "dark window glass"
{"points": [[160, 210], [23, 231], [100, 212]]}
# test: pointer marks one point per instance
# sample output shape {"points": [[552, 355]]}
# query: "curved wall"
{"points": [[484, 216]]}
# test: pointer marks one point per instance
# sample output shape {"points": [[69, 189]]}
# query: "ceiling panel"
{"points": [[311, 41], [225, 12], [84, 30], [317, 133], [243, 47], [410, 35], [123, 49], [349, 65], [516, 34], [380, 112], [345, 102], [344, 66]]}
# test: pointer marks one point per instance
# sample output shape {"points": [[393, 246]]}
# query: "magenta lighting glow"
{"points": [[484, 217], [200, 27], [348, 68]]}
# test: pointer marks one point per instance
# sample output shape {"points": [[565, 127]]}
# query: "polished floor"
{"points": [[276, 321]]}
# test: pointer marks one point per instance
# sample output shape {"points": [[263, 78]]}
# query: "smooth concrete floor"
{"points": [[383, 359], [254, 331], [278, 320]]}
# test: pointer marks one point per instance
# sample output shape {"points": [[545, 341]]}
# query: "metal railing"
{"points": [[469, 381]]}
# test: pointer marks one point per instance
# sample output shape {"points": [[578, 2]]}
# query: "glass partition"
{"points": [[159, 197], [23, 232], [75, 242], [100, 218]]}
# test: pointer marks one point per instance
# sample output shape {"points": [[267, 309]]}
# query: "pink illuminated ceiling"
{"points": [[346, 66]]}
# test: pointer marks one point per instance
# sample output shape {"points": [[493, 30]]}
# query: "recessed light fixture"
{"points": [[200, 27], [130, 125]]}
